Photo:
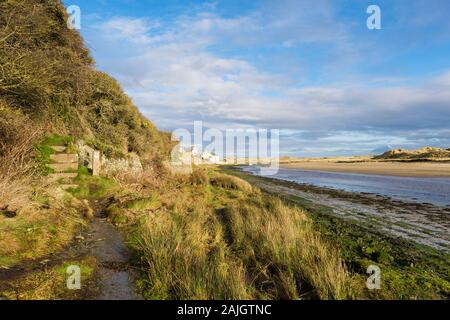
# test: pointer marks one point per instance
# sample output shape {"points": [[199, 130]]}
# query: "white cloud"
{"points": [[132, 30], [175, 71], [175, 77]]}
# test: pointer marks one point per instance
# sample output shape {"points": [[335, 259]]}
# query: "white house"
{"points": [[210, 158]]}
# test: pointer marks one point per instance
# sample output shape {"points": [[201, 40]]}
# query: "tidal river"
{"points": [[423, 190]]}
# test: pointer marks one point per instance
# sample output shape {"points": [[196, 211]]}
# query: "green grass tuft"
{"points": [[92, 187], [144, 203], [57, 140]]}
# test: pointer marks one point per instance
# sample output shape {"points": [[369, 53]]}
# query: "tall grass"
{"points": [[185, 260], [292, 260], [221, 241]]}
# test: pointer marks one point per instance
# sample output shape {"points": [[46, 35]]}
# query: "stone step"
{"points": [[64, 158], [69, 186], [64, 167], [59, 148], [66, 175]]}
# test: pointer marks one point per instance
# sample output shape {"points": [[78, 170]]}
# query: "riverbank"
{"points": [[408, 241], [389, 168]]}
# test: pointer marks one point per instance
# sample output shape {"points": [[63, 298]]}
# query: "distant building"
{"points": [[191, 155], [210, 158]]}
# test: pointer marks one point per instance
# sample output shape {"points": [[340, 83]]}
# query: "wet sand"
{"points": [[403, 169]]}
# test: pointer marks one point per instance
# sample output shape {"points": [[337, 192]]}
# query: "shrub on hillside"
{"points": [[17, 134], [48, 73]]}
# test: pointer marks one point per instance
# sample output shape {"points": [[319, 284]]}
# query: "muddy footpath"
{"points": [[100, 241]]}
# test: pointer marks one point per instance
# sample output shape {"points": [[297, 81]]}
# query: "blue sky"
{"points": [[309, 68]]}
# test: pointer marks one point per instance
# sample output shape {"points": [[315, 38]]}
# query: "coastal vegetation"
{"points": [[409, 270], [223, 239], [203, 235], [423, 154]]}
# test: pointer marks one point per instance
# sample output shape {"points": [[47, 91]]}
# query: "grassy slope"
{"points": [[213, 236], [210, 236]]}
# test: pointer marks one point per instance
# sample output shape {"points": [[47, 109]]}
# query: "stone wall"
{"points": [[130, 164], [98, 163]]}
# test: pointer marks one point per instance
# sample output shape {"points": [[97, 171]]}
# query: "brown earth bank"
{"points": [[405, 169]]}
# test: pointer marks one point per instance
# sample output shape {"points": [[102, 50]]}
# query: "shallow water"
{"points": [[424, 190]]}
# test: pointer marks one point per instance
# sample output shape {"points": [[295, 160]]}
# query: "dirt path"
{"points": [[101, 240], [116, 276]]}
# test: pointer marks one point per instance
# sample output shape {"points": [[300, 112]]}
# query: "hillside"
{"points": [[48, 82], [426, 153]]}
